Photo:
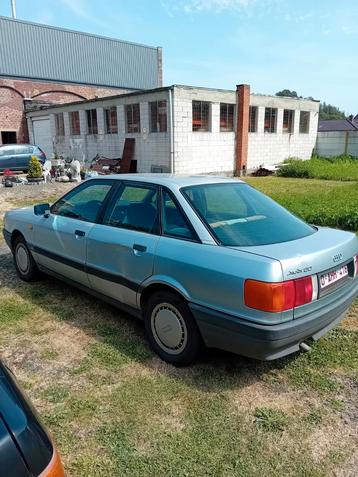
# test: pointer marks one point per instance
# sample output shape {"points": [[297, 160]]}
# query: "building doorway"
{"points": [[8, 137]]}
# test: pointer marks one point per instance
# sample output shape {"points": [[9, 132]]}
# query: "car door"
{"points": [[7, 158], [121, 249], [23, 156], [61, 237]]}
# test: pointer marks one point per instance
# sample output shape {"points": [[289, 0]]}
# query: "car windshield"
{"points": [[239, 215]]}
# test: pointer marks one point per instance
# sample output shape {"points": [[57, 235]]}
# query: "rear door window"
{"points": [[134, 207]]}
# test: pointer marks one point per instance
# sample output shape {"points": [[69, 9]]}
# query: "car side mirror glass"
{"points": [[42, 209]]}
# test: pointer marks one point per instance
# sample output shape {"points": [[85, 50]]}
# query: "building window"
{"points": [[226, 117], [201, 113], [110, 117], [92, 121], [270, 120], [59, 124], [288, 118], [304, 122], [158, 116], [133, 118], [253, 113], [75, 123]]}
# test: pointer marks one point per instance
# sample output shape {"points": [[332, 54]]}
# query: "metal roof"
{"points": [[175, 180], [41, 52], [328, 125]]}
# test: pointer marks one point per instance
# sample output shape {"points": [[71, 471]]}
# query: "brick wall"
{"points": [[202, 152], [13, 92], [150, 148], [268, 149]]}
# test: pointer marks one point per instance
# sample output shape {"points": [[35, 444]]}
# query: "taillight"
{"points": [[277, 297], [54, 469], [356, 265]]}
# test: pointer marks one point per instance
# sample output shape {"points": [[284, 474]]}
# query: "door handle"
{"points": [[139, 248], [80, 233]]}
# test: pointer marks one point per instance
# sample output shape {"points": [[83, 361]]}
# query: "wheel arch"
{"points": [[147, 290], [14, 235]]}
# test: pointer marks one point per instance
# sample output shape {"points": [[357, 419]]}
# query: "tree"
{"points": [[35, 169], [328, 111], [287, 92]]}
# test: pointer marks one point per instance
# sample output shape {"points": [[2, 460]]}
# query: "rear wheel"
{"points": [[171, 329], [24, 263]]}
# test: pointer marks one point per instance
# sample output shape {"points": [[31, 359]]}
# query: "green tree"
{"points": [[35, 169], [328, 111], [287, 92]]}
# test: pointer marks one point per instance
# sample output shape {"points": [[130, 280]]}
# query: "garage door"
{"points": [[42, 135]]}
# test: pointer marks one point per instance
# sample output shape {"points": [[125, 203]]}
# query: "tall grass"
{"points": [[342, 168]]}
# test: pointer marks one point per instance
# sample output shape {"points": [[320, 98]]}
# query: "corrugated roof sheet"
{"points": [[31, 50]]}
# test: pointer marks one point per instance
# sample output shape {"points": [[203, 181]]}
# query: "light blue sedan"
{"points": [[202, 260]]}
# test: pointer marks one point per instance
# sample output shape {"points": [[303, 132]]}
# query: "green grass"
{"points": [[343, 168], [325, 203]]}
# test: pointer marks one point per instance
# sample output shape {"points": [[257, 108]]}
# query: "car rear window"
{"points": [[239, 215]]}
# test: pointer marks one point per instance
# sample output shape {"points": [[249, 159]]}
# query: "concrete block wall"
{"points": [[202, 152], [150, 148], [268, 149], [334, 143]]}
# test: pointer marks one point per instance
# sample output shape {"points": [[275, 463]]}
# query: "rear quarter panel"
{"points": [[213, 276]]}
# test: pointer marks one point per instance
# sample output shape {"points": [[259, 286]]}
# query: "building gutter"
{"points": [[171, 122]]}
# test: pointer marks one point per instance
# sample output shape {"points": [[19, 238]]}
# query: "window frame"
{"points": [[85, 185], [92, 121], [290, 121], [228, 106], [157, 122], [74, 132], [138, 124], [195, 238], [256, 109], [269, 130], [201, 130], [60, 131], [308, 122], [110, 128]]}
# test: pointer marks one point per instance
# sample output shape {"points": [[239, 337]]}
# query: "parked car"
{"points": [[26, 450], [202, 260], [16, 156]]}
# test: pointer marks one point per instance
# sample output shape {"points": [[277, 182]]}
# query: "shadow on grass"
{"points": [[117, 333]]}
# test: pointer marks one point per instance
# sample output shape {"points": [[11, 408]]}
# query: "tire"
{"points": [[24, 263], [171, 329]]}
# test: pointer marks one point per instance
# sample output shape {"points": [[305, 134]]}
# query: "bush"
{"points": [[35, 168], [343, 168]]}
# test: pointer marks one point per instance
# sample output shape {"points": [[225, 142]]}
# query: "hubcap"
{"points": [[169, 329], [22, 258]]}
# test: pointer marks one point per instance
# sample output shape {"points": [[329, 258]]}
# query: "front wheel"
{"points": [[25, 264], [171, 329]]}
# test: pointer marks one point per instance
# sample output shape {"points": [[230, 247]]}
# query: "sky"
{"points": [[310, 46]]}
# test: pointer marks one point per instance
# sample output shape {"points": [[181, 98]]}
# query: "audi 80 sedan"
{"points": [[202, 260]]}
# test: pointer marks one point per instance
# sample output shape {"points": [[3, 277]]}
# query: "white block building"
{"points": [[181, 129]]}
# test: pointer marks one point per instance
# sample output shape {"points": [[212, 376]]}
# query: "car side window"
{"points": [[174, 223], [83, 202], [135, 207]]}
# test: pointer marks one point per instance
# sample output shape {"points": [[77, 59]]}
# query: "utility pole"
{"points": [[13, 8]]}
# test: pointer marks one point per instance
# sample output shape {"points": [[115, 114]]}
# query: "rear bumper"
{"points": [[7, 237], [267, 342]]}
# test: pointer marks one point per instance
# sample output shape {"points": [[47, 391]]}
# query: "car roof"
{"points": [[177, 180], [18, 145]]}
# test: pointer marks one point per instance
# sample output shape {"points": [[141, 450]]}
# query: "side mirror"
{"points": [[42, 209]]}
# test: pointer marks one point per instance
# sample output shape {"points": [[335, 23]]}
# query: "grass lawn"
{"points": [[115, 409]]}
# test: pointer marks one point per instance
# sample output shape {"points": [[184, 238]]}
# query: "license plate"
{"points": [[334, 276]]}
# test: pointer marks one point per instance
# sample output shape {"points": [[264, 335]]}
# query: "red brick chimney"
{"points": [[242, 128]]}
